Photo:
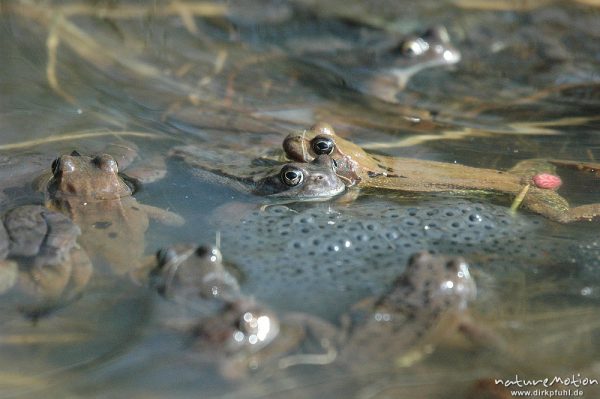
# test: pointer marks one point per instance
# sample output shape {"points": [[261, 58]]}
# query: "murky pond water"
{"points": [[231, 80]]}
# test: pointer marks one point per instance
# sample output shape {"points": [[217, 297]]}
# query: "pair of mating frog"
{"points": [[326, 165]]}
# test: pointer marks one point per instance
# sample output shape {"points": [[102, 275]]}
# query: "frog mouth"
{"points": [[323, 195]]}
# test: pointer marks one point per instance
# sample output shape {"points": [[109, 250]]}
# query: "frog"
{"points": [[23, 175], [386, 68], [425, 303], [525, 181], [272, 179], [192, 274], [248, 336], [42, 261], [91, 192], [237, 330]]}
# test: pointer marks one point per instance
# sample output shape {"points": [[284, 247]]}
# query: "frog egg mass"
{"points": [[324, 258]]}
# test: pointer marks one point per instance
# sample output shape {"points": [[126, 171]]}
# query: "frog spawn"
{"points": [[326, 258]]}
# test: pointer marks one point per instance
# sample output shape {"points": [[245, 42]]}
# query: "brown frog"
{"points": [[385, 69], [313, 181], [237, 331], [190, 274], [425, 303], [248, 336], [358, 167], [95, 196], [19, 168], [42, 258]]}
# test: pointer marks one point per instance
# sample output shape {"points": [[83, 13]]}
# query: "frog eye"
{"points": [[106, 163], [414, 47], [202, 251], [62, 165], [438, 33], [458, 265], [291, 176], [56, 166], [323, 145], [75, 153], [452, 264], [418, 257], [165, 256], [211, 253]]}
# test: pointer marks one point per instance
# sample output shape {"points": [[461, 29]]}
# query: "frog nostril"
{"points": [[201, 251]]}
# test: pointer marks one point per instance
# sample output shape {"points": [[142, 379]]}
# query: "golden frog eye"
{"points": [[211, 254], [291, 176], [323, 145], [414, 47]]}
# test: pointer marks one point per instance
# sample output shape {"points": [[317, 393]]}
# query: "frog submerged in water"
{"points": [[425, 303], [385, 70], [42, 258], [93, 194], [357, 167], [191, 274], [313, 181], [237, 331]]}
